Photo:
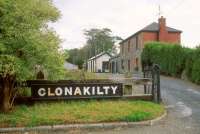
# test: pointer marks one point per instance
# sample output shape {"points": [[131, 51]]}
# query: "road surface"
{"points": [[182, 100]]}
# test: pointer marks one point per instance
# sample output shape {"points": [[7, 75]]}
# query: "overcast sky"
{"points": [[125, 17]]}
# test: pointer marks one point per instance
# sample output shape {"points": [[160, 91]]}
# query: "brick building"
{"points": [[131, 47]]}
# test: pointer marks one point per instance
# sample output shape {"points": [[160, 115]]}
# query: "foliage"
{"points": [[80, 112], [26, 42], [189, 63], [76, 56], [193, 66], [98, 40], [24, 92], [173, 59], [170, 57]]}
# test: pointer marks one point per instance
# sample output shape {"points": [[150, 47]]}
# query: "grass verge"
{"points": [[80, 112], [82, 75]]}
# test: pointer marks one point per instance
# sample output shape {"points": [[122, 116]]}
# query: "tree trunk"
{"points": [[7, 89], [6, 98]]}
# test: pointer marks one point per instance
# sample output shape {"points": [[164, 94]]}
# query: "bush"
{"points": [[170, 57], [193, 66], [189, 64], [24, 92], [173, 59]]}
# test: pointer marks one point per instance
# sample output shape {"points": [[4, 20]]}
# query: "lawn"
{"points": [[80, 112], [82, 75]]}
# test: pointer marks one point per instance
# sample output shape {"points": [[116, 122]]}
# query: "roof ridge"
{"points": [[152, 27], [100, 54]]}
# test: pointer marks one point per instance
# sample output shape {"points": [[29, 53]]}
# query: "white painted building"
{"points": [[99, 63]]}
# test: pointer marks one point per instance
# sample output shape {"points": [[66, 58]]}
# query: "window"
{"points": [[91, 66], [122, 64], [136, 64], [136, 46], [129, 65], [122, 46], [129, 42], [105, 66]]}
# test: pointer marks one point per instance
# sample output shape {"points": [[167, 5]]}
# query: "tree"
{"points": [[198, 46], [26, 41], [99, 40], [76, 56]]}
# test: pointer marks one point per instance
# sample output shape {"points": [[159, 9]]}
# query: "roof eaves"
{"points": [[99, 55], [151, 28], [177, 31], [130, 37], [138, 32], [113, 57]]}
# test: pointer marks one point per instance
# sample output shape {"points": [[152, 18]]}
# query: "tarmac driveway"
{"points": [[182, 100]]}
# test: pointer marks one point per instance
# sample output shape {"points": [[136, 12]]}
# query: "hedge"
{"points": [[193, 66], [173, 59]]}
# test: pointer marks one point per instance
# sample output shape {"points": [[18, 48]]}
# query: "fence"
{"points": [[153, 73]]}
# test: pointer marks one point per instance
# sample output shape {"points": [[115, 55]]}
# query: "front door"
{"points": [[105, 66]]}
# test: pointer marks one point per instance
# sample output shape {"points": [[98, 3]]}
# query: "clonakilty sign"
{"points": [[75, 90]]}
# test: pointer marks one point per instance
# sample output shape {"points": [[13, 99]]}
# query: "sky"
{"points": [[124, 18]]}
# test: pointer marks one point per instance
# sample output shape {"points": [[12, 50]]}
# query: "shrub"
{"points": [[193, 66], [170, 57], [189, 63], [24, 92], [173, 59]]}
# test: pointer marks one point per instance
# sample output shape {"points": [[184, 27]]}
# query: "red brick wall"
{"points": [[149, 36], [153, 36], [174, 38]]}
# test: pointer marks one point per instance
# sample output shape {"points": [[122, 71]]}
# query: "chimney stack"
{"points": [[162, 34]]}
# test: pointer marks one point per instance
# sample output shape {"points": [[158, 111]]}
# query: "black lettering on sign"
{"points": [[80, 90]]}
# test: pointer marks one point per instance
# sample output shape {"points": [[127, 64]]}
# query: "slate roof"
{"points": [[116, 56], [99, 55], [153, 27]]}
